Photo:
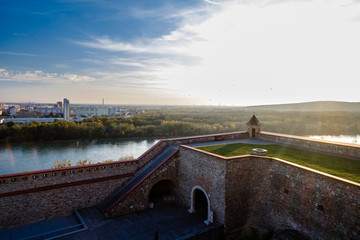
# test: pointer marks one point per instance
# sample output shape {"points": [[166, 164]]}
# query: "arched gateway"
{"points": [[200, 203], [162, 192]]}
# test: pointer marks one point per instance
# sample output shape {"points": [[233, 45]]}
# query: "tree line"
{"points": [[163, 122]]}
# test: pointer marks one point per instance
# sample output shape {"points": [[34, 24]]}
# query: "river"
{"points": [[16, 158], [354, 139]]}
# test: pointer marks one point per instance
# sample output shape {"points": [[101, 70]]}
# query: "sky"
{"points": [[188, 52]]}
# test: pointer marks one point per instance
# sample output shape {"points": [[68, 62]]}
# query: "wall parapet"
{"points": [[35, 179], [346, 150], [255, 157], [55, 177], [151, 153], [210, 137]]}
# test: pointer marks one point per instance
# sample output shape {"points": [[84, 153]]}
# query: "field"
{"points": [[337, 166]]}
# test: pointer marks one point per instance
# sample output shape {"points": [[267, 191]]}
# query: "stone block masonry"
{"points": [[285, 195], [241, 191], [138, 199], [206, 171], [273, 194], [35, 196], [40, 195]]}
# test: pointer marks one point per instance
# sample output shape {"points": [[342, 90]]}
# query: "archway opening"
{"points": [[162, 192], [200, 204]]}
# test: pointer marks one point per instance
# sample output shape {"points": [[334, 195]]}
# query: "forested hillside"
{"points": [[185, 121]]}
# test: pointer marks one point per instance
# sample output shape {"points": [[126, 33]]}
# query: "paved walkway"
{"points": [[242, 140], [171, 221], [47, 229]]}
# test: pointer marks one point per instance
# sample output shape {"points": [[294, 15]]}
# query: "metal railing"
{"points": [[61, 231], [139, 177]]}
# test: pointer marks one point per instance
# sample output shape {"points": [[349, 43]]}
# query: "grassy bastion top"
{"points": [[334, 165]]}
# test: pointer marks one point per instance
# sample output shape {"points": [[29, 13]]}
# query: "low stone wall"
{"points": [[35, 196], [12, 183], [209, 138], [151, 153], [341, 149]]}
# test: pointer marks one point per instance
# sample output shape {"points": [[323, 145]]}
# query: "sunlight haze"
{"points": [[233, 53]]}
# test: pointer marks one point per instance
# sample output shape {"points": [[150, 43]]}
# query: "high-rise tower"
{"points": [[66, 107]]}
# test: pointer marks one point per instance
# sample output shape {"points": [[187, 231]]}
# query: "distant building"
{"points": [[59, 104], [66, 107], [28, 114], [28, 120], [13, 110]]}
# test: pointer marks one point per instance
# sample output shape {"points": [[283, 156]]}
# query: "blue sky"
{"points": [[180, 52]]}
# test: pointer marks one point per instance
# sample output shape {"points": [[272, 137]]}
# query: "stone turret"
{"points": [[253, 126]]}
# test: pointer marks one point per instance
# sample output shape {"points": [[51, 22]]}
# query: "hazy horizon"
{"points": [[203, 53], [179, 105]]}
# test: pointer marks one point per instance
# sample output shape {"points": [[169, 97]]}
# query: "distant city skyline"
{"points": [[235, 53]]}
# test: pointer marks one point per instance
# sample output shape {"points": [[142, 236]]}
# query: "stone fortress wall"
{"points": [[35, 196], [242, 191], [269, 194]]}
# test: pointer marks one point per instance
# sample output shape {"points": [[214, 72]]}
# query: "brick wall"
{"points": [[212, 137], [279, 195], [199, 169], [272, 194], [35, 196], [242, 190], [138, 199]]}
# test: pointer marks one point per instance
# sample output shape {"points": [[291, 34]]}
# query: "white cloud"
{"points": [[39, 76], [263, 51], [172, 43], [211, 2], [17, 54]]}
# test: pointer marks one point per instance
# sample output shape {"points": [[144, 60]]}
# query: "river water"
{"points": [[354, 139], [16, 158]]}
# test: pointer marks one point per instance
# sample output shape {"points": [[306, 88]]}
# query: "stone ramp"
{"points": [[49, 229], [138, 178]]}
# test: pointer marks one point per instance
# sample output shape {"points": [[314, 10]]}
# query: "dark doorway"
{"points": [[200, 204], [253, 133], [162, 192]]}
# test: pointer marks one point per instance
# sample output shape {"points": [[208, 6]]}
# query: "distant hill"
{"points": [[320, 106]]}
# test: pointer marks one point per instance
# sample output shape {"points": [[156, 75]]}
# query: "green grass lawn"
{"points": [[338, 166]]}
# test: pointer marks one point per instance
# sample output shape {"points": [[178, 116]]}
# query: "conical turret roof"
{"points": [[253, 121]]}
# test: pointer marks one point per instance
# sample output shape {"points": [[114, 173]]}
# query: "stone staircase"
{"points": [[137, 179]]}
